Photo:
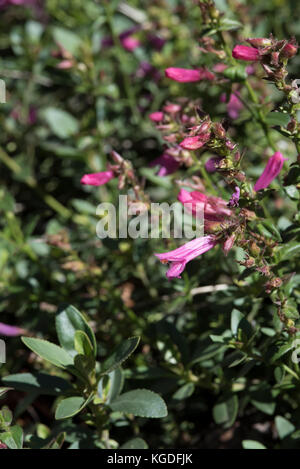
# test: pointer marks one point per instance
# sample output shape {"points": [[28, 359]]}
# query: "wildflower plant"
{"points": [[181, 342]]}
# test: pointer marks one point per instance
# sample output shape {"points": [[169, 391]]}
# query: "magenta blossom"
{"points": [[271, 171], [194, 143], [10, 331], [185, 75], [234, 104], [97, 179], [168, 164], [5, 3], [156, 116], [215, 209], [234, 200], [130, 43], [181, 256], [212, 164], [246, 53]]}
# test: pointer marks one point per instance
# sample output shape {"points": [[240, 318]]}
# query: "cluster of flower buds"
{"points": [[121, 169], [271, 53]]}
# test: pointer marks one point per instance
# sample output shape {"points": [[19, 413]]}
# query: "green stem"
{"points": [[119, 52], [259, 116]]}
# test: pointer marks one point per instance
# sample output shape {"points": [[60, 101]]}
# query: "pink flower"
{"points": [[234, 200], [194, 143], [10, 331], [246, 53], [289, 50], [234, 105], [215, 208], [181, 256], [97, 179], [228, 244], [172, 108], [185, 75], [4, 3], [65, 64], [156, 116], [167, 163], [271, 171], [130, 43]]}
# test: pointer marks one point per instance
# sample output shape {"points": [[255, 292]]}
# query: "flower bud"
{"points": [[156, 116], [259, 42], [289, 50], [246, 53], [254, 249]]}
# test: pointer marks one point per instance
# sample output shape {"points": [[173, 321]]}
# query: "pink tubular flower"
{"points": [[130, 43], [194, 143], [10, 331], [156, 116], [168, 164], [215, 208], [234, 105], [246, 53], [186, 75], [271, 171], [97, 179], [181, 256]]}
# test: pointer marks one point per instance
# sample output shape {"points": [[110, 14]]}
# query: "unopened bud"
{"points": [[289, 50], [259, 42], [254, 249], [219, 130]]}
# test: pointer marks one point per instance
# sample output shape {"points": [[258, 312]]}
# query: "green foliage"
{"points": [[209, 359]]}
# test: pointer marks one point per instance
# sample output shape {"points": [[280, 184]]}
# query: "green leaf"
{"points": [[227, 24], [282, 351], [6, 417], [149, 174], [141, 403], [50, 352], [271, 230], [13, 438], [68, 321], [135, 443], [238, 321], [283, 426], [84, 365], [121, 353], [37, 382], [252, 444], [62, 124], [57, 442], [113, 387], [71, 406], [292, 192], [184, 392], [67, 39], [4, 390], [83, 344], [278, 118], [225, 412]]}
